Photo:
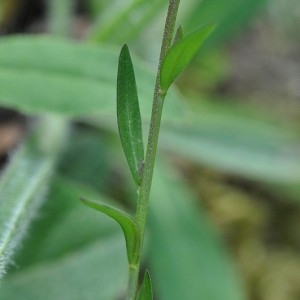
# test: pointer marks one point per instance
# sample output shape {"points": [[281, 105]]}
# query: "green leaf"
{"points": [[91, 168], [23, 188], [128, 225], [72, 277], [187, 259], [69, 78], [179, 35], [146, 288], [52, 235], [123, 22], [181, 54], [238, 145], [66, 247], [129, 117], [235, 139], [231, 15]]}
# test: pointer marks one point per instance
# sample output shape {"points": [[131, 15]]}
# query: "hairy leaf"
{"points": [[66, 247], [23, 186]]}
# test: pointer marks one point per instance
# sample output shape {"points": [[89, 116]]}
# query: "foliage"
{"points": [[55, 240]]}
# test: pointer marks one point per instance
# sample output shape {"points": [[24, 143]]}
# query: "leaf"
{"points": [[129, 118], [66, 247], [179, 35], [245, 147], [123, 22], [146, 288], [68, 78], [231, 15], [96, 272], [128, 225], [23, 187], [187, 259], [91, 168], [181, 54], [52, 235], [235, 140]]}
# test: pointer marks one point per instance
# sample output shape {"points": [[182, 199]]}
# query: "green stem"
{"points": [[158, 101], [132, 282]]}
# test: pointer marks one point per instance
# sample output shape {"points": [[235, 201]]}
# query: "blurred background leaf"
{"points": [[187, 259], [231, 16], [233, 134], [21, 195], [66, 249], [65, 77]]}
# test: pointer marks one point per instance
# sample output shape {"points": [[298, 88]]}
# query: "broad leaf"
{"points": [[56, 75], [181, 54], [92, 273], [188, 261], [129, 117], [236, 140], [128, 225], [146, 288], [247, 148]]}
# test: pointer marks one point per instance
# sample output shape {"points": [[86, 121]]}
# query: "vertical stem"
{"points": [[158, 101], [132, 282]]}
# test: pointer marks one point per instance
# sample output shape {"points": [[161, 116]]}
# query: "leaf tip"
{"points": [[146, 292], [82, 199], [124, 49], [178, 35]]}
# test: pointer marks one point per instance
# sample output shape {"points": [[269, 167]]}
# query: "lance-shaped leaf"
{"points": [[146, 288], [128, 225], [181, 54], [129, 118], [23, 185]]}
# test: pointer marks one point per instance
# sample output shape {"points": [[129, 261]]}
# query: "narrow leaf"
{"points": [[179, 35], [23, 187], [128, 225], [129, 118], [146, 288], [181, 54]]}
